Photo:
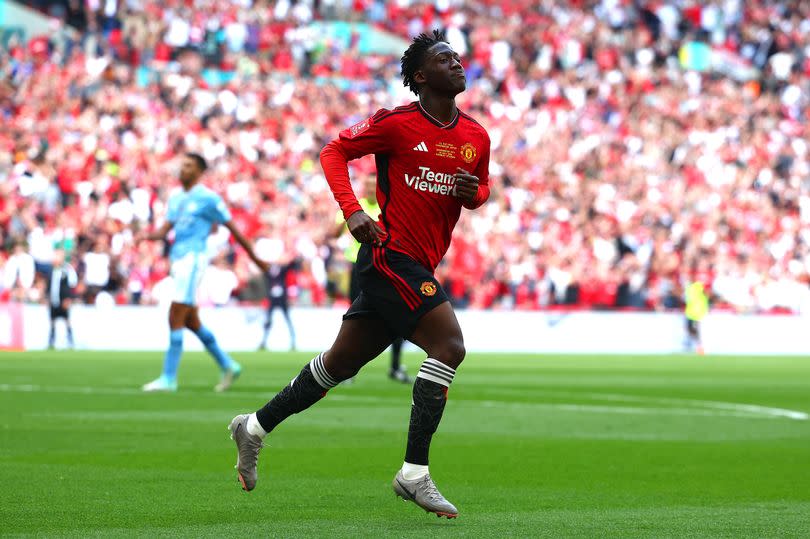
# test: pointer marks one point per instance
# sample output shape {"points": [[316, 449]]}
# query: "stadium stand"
{"points": [[636, 145]]}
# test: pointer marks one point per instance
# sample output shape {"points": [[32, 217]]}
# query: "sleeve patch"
{"points": [[358, 128]]}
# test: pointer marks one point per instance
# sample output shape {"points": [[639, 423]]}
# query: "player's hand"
{"points": [[466, 187], [364, 228]]}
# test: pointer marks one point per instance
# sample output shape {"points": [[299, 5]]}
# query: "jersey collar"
{"points": [[436, 122]]}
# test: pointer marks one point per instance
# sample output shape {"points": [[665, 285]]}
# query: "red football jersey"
{"points": [[417, 158]]}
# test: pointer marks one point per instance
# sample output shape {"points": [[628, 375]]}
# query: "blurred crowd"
{"points": [[636, 145]]}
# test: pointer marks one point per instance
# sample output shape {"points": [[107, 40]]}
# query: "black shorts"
{"points": [[692, 326], [278, 303], [354, 283], [58, 312], [394, 288]]}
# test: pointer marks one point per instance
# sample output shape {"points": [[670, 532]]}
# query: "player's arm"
{"points": [[246, 245], [371, 136], [218, 213], [473, 187], [159, 234]]}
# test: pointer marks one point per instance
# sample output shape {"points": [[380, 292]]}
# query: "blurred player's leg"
{"points": [[167, 381], [56, 314], [439, 335], [693, 341], [698, 343], [268, 324], [358, 342], [285, 309], [397, 371], [71, 343], [230, 368], [52, 333]]}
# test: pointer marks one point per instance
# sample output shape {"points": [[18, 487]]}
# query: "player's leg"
{"points": [[354, 293], [690, 335], [52, 332], [397, 371], [66, 317], [268, 324], [285, 310], [359, 341], [696, 337], [167, 381], [230, 369], [186, 273], [439, 335]]}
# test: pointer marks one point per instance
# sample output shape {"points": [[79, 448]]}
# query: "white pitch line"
{"points": [[715, 405], [686, 407], [630, 410]]}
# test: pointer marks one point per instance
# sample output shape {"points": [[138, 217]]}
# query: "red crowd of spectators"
{"points": [[635, 145]]}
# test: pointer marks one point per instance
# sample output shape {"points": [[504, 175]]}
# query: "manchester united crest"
{"points": [[428, 288], [468, 152]]}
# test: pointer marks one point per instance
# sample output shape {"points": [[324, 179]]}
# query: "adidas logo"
{"points": [[421, 147]]}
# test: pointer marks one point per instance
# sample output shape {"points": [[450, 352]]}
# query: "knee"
{"points": [[338, 369], [451, 352], [176, 337]]}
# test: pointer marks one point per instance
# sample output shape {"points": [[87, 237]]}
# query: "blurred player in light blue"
{"points": [[193, 213]]}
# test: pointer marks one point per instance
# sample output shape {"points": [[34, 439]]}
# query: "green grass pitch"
{"points": [[530, 446]]}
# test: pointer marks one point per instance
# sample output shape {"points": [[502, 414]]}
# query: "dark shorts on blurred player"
{"points": [[58, 312], [395, 289]]}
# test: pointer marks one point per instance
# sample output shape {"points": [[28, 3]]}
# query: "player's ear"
{"points": [[419, 77]]}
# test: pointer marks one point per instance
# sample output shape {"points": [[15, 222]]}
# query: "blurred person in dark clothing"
{"points": [[278, 297], [61, 282]]}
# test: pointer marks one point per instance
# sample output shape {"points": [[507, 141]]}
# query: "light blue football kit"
{"points": [[193, 214]]}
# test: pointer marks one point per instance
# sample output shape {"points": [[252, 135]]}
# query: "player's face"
{"points": [[443, 71], [189, 171]]}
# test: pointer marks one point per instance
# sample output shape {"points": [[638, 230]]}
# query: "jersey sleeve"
{"points": [[482, 173], [374, 135], [218, 211]]}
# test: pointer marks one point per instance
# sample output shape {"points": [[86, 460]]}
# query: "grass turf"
{"points": [[529, 447]]}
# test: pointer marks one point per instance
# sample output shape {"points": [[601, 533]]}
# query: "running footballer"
{"points": [[432, 161]]}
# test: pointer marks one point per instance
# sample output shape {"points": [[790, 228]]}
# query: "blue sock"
{"points": [[223, 360], [172, 359]]}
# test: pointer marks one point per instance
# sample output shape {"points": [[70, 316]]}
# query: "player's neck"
{"points": [[441, 109]]}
